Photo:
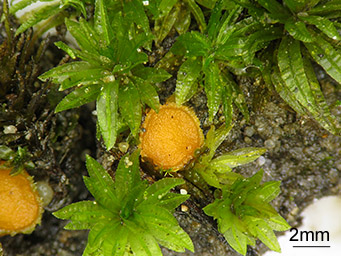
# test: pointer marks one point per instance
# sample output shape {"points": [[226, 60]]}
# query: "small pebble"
{"points": [[261, 160], [184, 208], [10, 129], [247, 140], [269, 144], [183, 191], [45, 191], [249, 131], [123, 146]]}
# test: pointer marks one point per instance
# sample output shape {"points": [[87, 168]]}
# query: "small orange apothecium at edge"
{"points": [[20, 204], [169, 138]]}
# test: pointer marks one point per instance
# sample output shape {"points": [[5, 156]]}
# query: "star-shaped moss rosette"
{"points": [[244, 214], [111, 72], [128, 215]]}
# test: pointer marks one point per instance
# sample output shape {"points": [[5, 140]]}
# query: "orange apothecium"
{"points": [[20, 204], [170, 137]]}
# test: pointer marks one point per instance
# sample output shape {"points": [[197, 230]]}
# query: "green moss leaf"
{"points": [[298, 30], [213, 88], [134, 12], [259, 40], [214, 138], [277, 10], [85, 35], [198, 14], [100, 184], [104, 237], [213, 27], [127, 175], [151, 75], [107, 106], [298, 84], [323, 24], [79, 97], [70, 51], [162, 224], [39, 14], [286, 93], [268, 191], [142, 242], [278, 223], [163, 25], [227, 26], [236, 94], [264, 232], [295, 6], [101, 22], [292, 71], [79, 5], [6, 153], [166, 6], [192, 44], [183, 21], [20, 5], [83, 215], [236, 239], [216, 172], [147, 93], [171, 200], [326, 55], [235, 158], [159, 189], [323, 115], [130, 106], [207, 3], [74, 74], [326, 8], [188, 74]]}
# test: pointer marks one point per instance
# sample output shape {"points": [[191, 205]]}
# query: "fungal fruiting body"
{"points": [[20, 204], [170, 137]]}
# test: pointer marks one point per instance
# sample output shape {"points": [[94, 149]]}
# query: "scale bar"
{"points": [[311, 246]]}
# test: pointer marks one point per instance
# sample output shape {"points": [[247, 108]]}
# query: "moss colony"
{"points": [[258, 83]]}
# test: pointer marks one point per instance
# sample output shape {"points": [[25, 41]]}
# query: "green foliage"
{"points": [[50, 14], [111, 72], [277, 41], [306, 35], [217, 172], [207, 54], [128, 216], [16, 160], [243, 213], [177, 14]]}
